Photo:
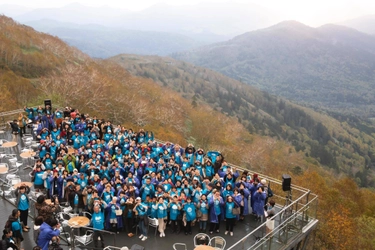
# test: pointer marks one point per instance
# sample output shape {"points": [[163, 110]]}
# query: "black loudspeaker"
{"points": [[48, 103], [287, 181]]}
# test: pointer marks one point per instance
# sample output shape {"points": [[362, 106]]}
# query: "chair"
{"points": [[179, 246], [201, 239], [218, 243], [64, 218], [85, 239], [86, 214], [153, 222]]}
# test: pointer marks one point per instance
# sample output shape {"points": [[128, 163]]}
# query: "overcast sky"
{"points": [[313, 13]]}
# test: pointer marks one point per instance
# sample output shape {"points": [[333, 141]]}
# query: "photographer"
{"points": [[76, 198], [56, 184], [46, 210], [87, 194], [48, 230]]}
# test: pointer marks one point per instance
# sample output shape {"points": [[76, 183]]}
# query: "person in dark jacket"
{"points": [[8, 242], [15, 225], [46, 210], [76, 199]]}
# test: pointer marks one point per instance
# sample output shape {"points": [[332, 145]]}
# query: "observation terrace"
{"points": [[295, 220]]}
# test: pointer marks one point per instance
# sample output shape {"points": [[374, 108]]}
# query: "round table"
{"points": [[27, 154], [9, 144], [29, 184], [3, 169], [203, 247], [79, 221]]}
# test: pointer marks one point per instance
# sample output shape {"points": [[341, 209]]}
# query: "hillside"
{"points": [[330, 67], [345, 146], [48, 68]]}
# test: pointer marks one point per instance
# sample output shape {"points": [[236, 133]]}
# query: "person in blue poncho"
{"points": [[190, 214], [147, 189], [216, 204], [258, 206]]}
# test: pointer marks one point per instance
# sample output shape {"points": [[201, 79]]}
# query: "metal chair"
{"points": [[201, 239], [86, 214], [218, 243], [85, 239], [179, 246], [153, 222]]}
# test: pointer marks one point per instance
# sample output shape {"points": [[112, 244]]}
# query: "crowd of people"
{"points": [[125, 178]]}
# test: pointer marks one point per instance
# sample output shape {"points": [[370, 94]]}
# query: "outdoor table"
{"points": [[203, 247], [3, 169], [27, 155], [79, 221], [9, 144], [29, 184]]}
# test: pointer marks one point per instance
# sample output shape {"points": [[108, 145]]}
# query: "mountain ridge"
{"points": [[314, 66]]}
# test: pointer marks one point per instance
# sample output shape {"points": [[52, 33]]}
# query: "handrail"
{"points": [[260, 226], [282, 225]]}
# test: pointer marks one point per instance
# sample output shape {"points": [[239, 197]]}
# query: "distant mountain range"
{"points": [[330, 67], [364, 24], [203, 22], [103, 42]]}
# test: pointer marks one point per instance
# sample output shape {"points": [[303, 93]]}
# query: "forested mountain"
{"points": [[35, 66], [330, 67], [345, 144]]}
